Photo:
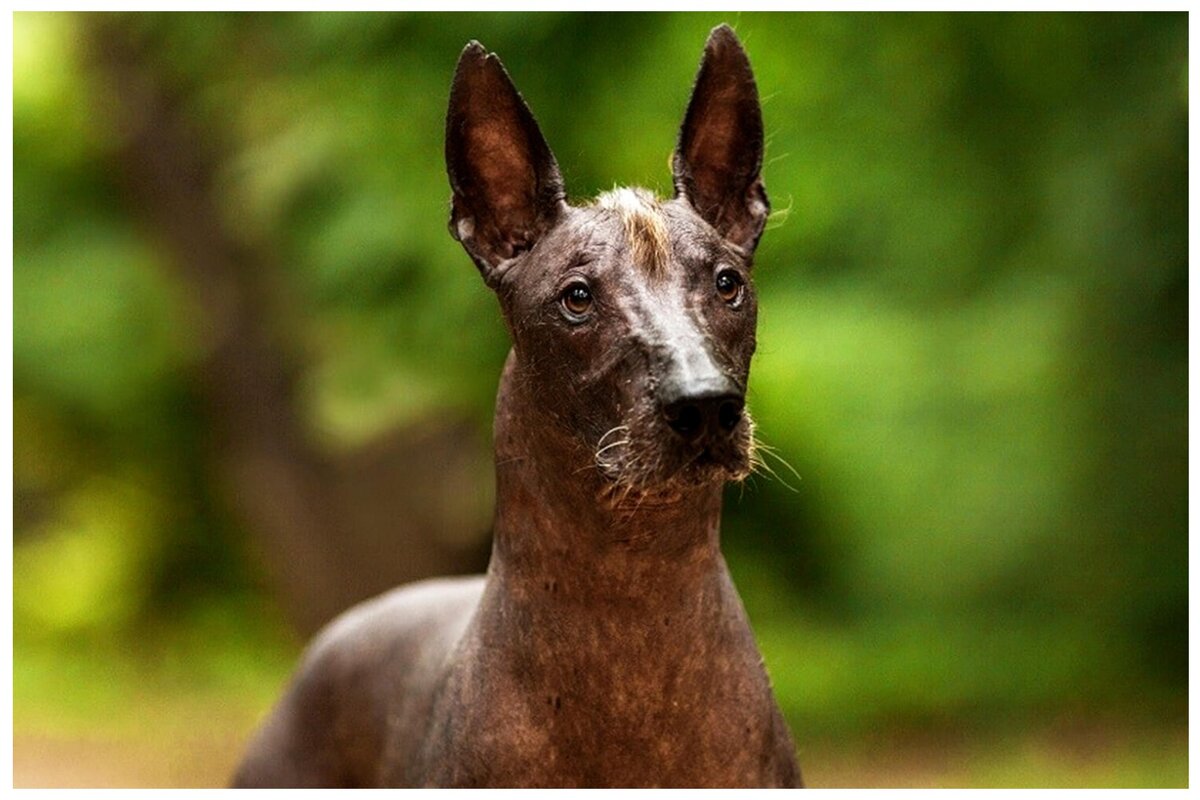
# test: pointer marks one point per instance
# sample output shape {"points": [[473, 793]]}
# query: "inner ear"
{"points": [[507, 188], [718, 159]]}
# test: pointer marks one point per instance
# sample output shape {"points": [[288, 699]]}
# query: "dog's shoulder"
{"points": [[385, 626], [400, 638], [356, 679]]}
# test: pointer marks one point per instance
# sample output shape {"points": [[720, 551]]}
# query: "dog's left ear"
{"points": [[718, 159]]}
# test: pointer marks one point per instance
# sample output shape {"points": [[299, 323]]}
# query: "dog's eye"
{"points": [[577, 299], [730, 286]]}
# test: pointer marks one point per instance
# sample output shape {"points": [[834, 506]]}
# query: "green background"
{"points": [[973, 353]]}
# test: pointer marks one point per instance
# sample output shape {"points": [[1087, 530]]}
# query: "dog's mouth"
{"points": [[725, 463], [650, 460]]}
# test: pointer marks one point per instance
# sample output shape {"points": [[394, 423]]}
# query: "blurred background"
{"points": [[254, 375]]}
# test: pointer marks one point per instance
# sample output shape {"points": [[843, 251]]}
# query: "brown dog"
{"points": [[606, 646]]}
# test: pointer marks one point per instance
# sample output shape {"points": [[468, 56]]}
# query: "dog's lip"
{"points": [[710, 455], [709, 465]]}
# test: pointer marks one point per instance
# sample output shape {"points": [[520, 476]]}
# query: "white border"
{"points": [[6, 308]]}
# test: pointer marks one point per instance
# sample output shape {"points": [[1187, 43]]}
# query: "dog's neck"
{"points": [[559, 521]]}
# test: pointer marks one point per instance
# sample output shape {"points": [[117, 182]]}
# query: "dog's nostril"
{"points": [[729, 414], [693, 417], [685, 419]]}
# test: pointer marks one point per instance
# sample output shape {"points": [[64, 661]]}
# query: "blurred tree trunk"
{"points": [[333, 529]]}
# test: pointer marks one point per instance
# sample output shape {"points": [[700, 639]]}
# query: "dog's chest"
{"points": [[651, 712]]}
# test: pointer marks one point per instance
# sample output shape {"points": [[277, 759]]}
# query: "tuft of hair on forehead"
{"points": [[645, 228]]}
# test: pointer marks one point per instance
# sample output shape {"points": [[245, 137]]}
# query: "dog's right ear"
{"points": [[507, 189]]}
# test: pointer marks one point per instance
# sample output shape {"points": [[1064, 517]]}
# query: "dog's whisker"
{"points": [[762, 467], [610, 432], [773, 453], [611, 445]]}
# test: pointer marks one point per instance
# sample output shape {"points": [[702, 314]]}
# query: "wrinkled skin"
{"points": [[607, 645], [639, 333]]}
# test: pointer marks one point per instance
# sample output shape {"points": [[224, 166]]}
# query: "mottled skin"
{"points": [[606, 646]]}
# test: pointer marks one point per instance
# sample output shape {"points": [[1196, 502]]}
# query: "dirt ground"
{"points": [[205, 756]]}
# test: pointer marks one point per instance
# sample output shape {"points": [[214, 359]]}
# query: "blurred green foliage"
{"points": [[972, 340]]}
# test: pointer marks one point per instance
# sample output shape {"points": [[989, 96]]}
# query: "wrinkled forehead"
{"points": [[653, 234], [629, 230]]}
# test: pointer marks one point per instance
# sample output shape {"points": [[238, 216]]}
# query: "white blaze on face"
{"points": [[686, 348], [662, 316]]}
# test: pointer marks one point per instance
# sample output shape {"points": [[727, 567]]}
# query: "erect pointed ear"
{"points": [[719, 155], [507, 190]]}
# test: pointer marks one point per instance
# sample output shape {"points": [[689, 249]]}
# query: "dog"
{"points": [[606, 646]]}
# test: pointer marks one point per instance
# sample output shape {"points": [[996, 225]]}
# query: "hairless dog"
{"points": [[606, 645]]}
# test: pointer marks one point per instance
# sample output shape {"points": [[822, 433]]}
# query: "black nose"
{"points": [[712, 414]]}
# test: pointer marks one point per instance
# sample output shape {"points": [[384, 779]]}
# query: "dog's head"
{"points": [[632, 317]]}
